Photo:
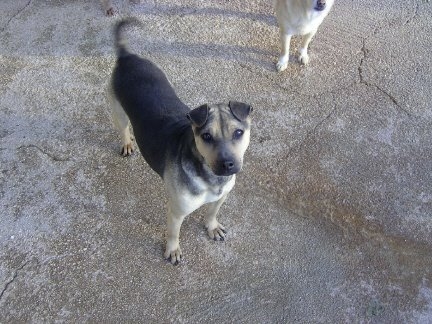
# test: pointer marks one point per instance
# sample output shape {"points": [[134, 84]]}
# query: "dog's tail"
{"points": [[120, 41]]}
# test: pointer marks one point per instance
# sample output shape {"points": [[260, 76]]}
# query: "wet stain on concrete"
{"points": [[394, 268]]}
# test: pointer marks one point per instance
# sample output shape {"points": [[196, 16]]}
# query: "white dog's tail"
{"points": [[120, 41]]}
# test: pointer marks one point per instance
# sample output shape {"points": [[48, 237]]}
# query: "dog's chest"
{"points": [[305, 23], [298, 17], [207, 193], [186, 201]]}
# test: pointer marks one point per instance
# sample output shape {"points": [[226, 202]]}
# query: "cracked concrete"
{"points": [[21, 5], [329, 222], [12, 280], [52, 157], [369, 84]]}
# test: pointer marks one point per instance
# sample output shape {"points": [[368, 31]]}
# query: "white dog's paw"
{"points": [[217, 232], [282, 64], [304, 57], [127, 149], [174, 255]]}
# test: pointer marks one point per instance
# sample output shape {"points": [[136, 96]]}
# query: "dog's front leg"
{"points": [[174, 222], [304, 57], [215, 230], [282, 64]]}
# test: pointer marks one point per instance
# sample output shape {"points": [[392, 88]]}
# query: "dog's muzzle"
{"points": [[226, 168], [320, 5]]}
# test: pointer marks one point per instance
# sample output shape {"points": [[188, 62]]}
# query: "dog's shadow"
{"points": [[246, 55], [182, 11], [235, 53]]}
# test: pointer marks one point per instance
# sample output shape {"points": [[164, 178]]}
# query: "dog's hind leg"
{"points": [[215, 230], [282, 64], [121, 122], [304, 57]]}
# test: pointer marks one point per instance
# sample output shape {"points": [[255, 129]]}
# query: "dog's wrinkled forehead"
{"points": [[220, 116]]}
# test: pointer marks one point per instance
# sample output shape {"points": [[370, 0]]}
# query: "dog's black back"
{"points": [[157, 115]]}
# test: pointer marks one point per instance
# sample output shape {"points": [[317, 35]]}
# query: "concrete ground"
{"points": [[330, 220]]}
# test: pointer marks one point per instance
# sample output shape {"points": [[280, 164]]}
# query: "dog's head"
{"points": [[222, 135]]}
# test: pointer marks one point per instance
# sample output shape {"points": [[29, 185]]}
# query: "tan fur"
{"points": [[223, 126], [182, 202], [197, 168], [121, 122]]}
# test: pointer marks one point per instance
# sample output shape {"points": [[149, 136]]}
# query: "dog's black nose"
{"points": [[320, 5], [227, 168], [228, 165]]}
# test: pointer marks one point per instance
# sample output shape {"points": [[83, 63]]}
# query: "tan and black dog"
{"points": [[196, 152], [299, 17]]}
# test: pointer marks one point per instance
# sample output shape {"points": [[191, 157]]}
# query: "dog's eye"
{"points": [[237, 134], [206, 137]]}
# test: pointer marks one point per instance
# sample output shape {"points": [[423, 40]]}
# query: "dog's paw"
{"points": [[173, 255], [110, 12], [217, 232], [282, 64], [304, 58], [127, 149]]}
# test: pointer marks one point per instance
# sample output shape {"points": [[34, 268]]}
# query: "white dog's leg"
{"points": [[174, 222], [282, 64], [304, 57], [215, 230], [121, 122]]}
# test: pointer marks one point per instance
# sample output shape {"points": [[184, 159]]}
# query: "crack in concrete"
{"points": [[365, 51], [52, 157], [414, 15], [13, 279], [313, 130], [55, 257], [397, 21], [330, 114], [363, 81], [13, 17]]}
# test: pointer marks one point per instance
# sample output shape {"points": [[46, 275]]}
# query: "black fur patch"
{"points": [[198, 116], [240, 110]]}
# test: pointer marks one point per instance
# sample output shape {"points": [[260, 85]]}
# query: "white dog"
{"points": [[299, 17]]}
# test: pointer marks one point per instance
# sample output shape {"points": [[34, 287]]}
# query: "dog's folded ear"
{"points": [[198, 116], [240, 110]]}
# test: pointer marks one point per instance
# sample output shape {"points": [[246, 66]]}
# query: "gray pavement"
{"points": [[330, 220]]}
